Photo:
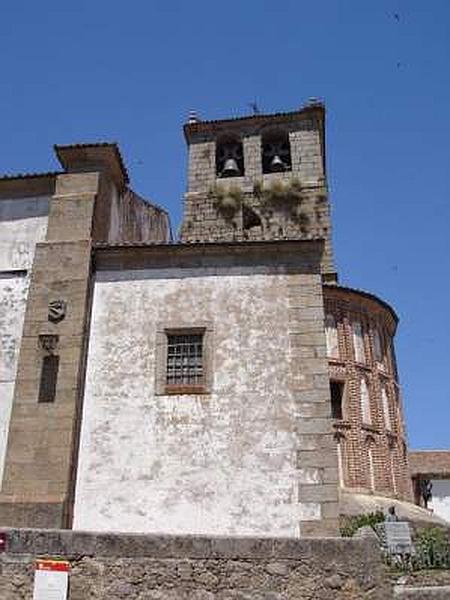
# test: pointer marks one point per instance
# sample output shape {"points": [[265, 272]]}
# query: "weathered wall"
{"points": [[13, 295], [123, 216], [53, 233], [440, 502], [114, 567], [228, 462], [23, 223], [134, 219]]}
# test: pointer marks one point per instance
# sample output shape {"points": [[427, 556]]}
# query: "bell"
{"points": [[276, 164], [230, 168]]}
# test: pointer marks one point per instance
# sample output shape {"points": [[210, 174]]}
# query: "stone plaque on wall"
{"points": [[398, 537]]}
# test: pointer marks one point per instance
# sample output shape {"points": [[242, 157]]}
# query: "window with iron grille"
{"points": [[185, 359]]}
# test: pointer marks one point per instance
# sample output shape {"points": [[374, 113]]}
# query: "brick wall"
{"points": [[384, 435]]}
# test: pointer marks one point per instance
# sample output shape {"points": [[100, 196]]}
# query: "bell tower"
{"points": [[261, 177]]}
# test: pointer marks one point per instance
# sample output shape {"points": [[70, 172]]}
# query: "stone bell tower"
{"points": [[260, 177]]}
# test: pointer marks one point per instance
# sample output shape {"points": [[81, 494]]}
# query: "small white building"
{"points": [[430, 471]]}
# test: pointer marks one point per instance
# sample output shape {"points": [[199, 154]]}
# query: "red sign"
{"points": [[52, 565], [51, 579]]}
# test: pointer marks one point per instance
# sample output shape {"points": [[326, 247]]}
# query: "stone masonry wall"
{"points": [[42, 437], [300, 217], [115, 567]]}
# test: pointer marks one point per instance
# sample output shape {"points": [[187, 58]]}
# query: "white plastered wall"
{"points": [[440, 502], [23, 223], [223, 463]]}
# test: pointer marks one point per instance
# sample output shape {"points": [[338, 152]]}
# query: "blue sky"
{"points": [[130, 72]]}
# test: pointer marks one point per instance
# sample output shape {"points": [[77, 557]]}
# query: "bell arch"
{"points": [[276, 151], [229, 156]]}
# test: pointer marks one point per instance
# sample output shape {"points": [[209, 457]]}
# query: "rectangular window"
{"points": [[185, 359], [337, 394], [49, 376]]}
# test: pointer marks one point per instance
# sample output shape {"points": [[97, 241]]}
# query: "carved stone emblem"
{"points": [[56, 310], [48, 342]]}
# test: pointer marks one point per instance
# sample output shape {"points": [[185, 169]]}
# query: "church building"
{"points": [[223, 383]]}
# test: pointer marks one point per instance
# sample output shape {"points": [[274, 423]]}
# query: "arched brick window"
{"points": [[392, 452], [378, 346], [340, 448], [370, 445], [393, 359], [358, 342], [331, 336], [386, 408], [398, 414], [365, 402]]}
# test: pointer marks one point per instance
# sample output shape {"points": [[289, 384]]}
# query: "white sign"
{"points": [[51, 579], [398, 537]]}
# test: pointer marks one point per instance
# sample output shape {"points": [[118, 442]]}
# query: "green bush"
{"points": [[352, 524], [432, 548]]}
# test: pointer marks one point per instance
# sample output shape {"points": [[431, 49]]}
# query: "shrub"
{"points": [[352, 524], [258, 188], [227, 200], [321, 196], [281, 192], [432, 549]]}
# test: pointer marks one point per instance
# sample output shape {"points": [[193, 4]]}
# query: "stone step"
{"points": [[404, 592]]}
